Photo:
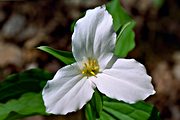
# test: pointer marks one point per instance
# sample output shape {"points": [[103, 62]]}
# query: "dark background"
{"points": [[25, 25]]}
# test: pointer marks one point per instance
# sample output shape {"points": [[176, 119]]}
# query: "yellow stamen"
{"points": [[90, 68]]}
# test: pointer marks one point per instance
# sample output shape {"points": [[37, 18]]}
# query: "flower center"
{"points": [[90, 67]]}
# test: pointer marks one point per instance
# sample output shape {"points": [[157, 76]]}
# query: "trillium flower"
{"points": [[93, 43]]}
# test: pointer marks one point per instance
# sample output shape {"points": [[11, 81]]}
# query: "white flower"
{"points": [[93, 43]]}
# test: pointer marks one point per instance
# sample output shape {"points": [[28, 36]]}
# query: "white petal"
{"points": [[126, 80], [68, 91], [94, 36]]}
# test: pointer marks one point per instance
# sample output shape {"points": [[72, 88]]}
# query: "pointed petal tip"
{"points": [[144, 98], [153, 92], [66, 92], [146, 95]]}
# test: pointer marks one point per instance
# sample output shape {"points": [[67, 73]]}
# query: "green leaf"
{"points": [[94, 107], [64, 56], [122, 22], [72, 25], [96, 102], [119, 110], [120, 17], [89, 113], [155, 115], [125, 40], [106, 116], [27, 105], [28, 81]]}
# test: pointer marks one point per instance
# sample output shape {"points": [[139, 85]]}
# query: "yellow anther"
{"points": [[92, 73], [90, 68]]}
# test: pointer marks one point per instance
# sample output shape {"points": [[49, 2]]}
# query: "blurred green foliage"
{"points": [[111, 109], [28, 81], [28, 104], [20, 94]]}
